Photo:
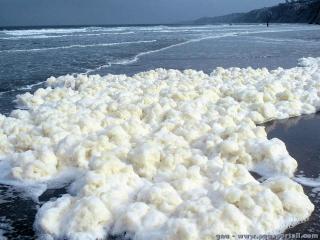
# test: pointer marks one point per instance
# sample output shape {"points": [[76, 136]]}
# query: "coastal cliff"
{"points": [[303, 11]]}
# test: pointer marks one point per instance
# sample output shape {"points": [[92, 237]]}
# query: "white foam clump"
{"points": [[163, 154]]}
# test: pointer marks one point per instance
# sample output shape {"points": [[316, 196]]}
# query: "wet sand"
{"points": [[302, 138]]}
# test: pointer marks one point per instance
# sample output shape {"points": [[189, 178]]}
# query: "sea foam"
{"points": [[163, 154]]}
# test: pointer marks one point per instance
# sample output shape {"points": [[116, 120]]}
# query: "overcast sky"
{"points": [[75, 12]]}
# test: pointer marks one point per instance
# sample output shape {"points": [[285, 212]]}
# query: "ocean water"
{"points": [[29, 56]]}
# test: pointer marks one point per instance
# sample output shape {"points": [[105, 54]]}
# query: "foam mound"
{"points": [[163, 154]]}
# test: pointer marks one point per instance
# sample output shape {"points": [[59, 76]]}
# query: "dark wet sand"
{"points": [[302, 138]]}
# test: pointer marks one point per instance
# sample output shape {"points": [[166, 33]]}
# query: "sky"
{"points": [[86, 12]]}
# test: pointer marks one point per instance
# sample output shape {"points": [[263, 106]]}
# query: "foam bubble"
{"points": [[164, 153]]}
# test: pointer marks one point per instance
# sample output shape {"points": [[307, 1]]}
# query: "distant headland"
{"points": [[299, 11]]}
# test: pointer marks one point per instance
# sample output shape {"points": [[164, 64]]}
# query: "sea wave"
{"points": [[205, 37], [22, 88], [77, 46], [64, 35], [285, 40], [139, 55], [43, 31]]}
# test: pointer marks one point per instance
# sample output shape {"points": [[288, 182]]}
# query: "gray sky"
{"points": [[74, 12]]}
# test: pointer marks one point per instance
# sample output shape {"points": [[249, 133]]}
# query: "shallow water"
{"points": [[302, 138], [96, 50]]}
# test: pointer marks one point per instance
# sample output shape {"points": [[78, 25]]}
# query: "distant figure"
{"points": [[268, 17]]}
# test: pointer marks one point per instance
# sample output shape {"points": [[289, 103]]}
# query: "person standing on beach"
{"points": [[268, 17]]}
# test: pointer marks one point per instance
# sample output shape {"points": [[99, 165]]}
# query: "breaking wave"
{"points": [[65, 35], [77, 46]]}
